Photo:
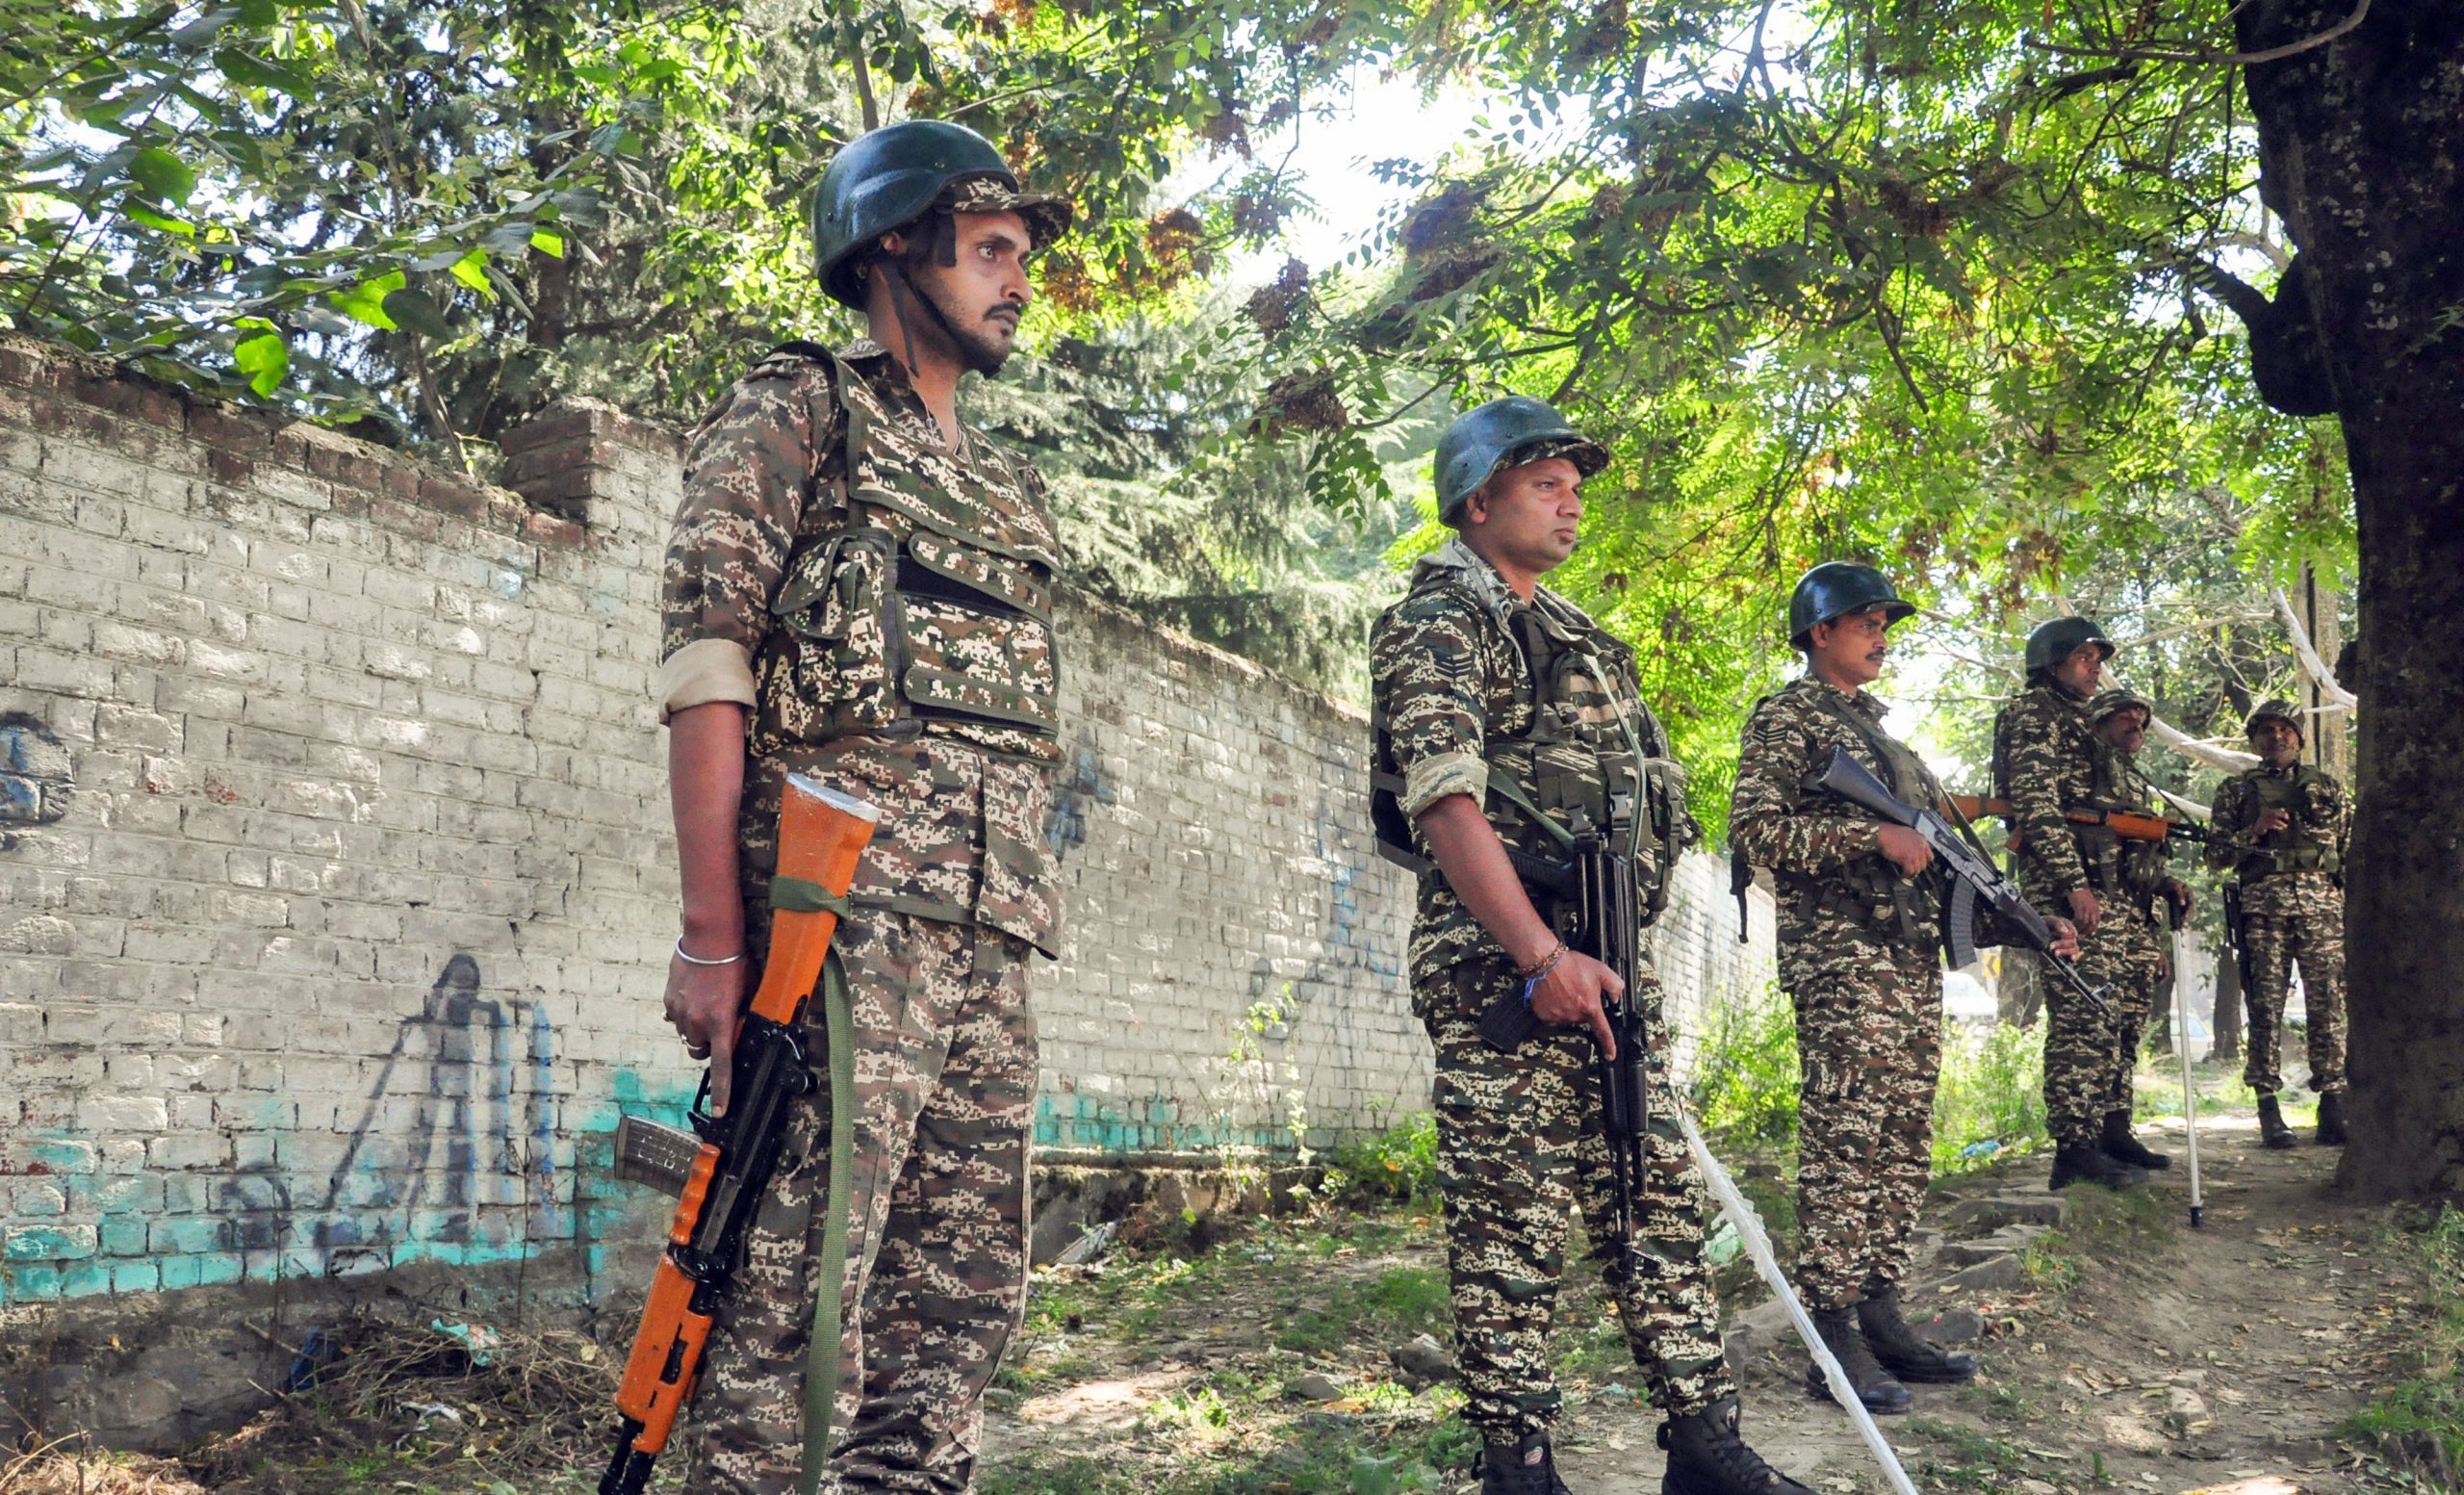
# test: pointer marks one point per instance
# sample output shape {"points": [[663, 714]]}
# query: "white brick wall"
{"points": [[336, 883]]}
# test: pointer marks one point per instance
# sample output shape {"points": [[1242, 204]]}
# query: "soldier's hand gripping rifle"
{"points": [[726, 1163], [1973, 881]]}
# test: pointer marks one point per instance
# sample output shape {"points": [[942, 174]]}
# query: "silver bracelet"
{"points": [[695, 960]]}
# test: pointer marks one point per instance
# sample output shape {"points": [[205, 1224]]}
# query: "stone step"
{"points": [[2006, 1241], [1991, 1212]]}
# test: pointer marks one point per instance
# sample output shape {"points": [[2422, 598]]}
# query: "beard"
{"points": [[979, 349]]}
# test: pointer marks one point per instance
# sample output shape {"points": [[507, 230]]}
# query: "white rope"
{"points": [[1766, 1264], [2307, 653]]}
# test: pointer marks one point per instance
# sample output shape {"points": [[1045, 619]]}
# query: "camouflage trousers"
{"points": [[936, 1256], [1519, 1140], [2092, 1054], [2298, 918], [1869, 1049]]}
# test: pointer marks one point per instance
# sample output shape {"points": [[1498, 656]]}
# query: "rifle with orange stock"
{"points": [[723, 1165], [2123, 823]]}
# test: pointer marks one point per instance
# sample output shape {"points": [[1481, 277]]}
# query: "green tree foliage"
{"points": [[1835, 279], [448, 214]]}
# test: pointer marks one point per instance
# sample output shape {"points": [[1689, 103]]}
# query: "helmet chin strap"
{"points": [[903, 289]]}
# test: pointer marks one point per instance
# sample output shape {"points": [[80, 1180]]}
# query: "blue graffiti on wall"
{"points": [[35, 783]]}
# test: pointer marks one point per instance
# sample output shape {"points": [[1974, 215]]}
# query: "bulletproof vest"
{"points": [[2115, 867], [1592, 758], [930, 608], [1868, 890], [2307, 799]]}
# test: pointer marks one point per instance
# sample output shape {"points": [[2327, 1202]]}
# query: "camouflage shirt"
{"points": [[2319, 835], [765, 481], [2046, 762], [1458, 701], [1826, 851]]}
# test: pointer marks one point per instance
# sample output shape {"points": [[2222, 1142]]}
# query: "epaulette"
{"points": [[790, 358]]}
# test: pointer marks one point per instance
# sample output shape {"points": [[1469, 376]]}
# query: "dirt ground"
{"points": [[2122, 1351], [2126, 1352]]}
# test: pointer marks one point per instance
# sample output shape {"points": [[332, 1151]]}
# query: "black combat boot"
{"points": [[1903, 1351], [1876, 1387], [2331, 1119], [2085, 1162], [2123, 1148], [1706, 1457], [1510, 1469], [2273, 1132]]}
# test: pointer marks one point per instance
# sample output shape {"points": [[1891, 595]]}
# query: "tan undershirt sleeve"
{"points": [[703, 671]]}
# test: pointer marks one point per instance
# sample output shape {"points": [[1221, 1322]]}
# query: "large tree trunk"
{"points": [[2361, 148]]}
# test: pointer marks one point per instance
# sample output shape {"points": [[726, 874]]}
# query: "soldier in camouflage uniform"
{"points": [[1504, 716], [2283, 831], [2140, 903], [2046, 759], [1860, 936], [858, 589]]}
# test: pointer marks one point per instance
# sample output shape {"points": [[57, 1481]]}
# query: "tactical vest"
{"points": [[930, 608], [2306, 798], [1593, 757], [2133, 869], [1867, 892]]}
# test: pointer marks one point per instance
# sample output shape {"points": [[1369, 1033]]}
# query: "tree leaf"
{"points": [[412, 312], [366, 300], [264, 359], [162, 175], [551, 244], [472, 270]]}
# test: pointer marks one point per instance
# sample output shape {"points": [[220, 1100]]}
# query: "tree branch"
{"points": [[2209, 55]]}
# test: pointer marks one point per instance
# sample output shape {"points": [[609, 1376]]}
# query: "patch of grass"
{"points": [[2050, 1263], [1398, 1164], [2419, 1423], [1746, 1079], [1992, 1092], [1404, 1301], [1969, 1457]]}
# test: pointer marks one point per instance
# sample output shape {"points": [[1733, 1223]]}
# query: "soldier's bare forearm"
{"points": [[1467, 850], [705, 783]]}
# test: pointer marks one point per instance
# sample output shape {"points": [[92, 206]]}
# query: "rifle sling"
{"points": [[825, 1347]]}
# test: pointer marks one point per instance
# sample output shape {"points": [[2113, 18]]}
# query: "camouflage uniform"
{"points": [[2049, 760], [1518, 1135], [2293, 908], [2134, 936], [1858, 954], [882, 607], [2046, 759]]}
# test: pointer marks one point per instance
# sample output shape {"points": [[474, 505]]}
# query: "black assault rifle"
{"points": [[1972, 878], [1597, 887]]}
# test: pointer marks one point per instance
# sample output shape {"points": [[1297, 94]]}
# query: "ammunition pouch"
{"points": [[931, 609]]}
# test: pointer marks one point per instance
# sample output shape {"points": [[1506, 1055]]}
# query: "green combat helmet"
{"points": [[887, 178], [1837, 588], [1505, 432], [2277, 709], [2105, 703], [2058, 640]]}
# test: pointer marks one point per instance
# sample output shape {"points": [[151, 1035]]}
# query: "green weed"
{"points": [[1991, 1091], [2420, 1420], [1398, 1164], [1745, 1071], [1970, 1459]]}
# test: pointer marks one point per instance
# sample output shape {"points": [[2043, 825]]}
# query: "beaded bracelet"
{"points": [[1538, 970]]}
